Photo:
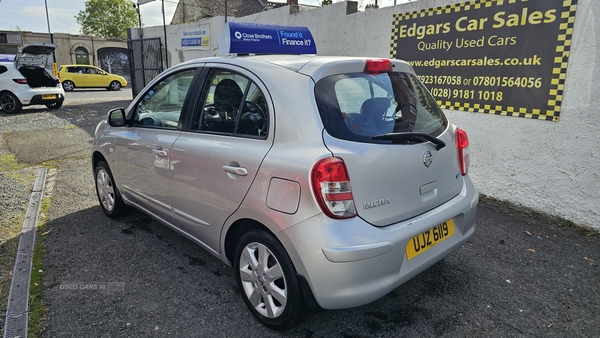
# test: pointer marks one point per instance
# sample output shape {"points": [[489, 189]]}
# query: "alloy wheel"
{"points": [[106, 190], [263, 280]]}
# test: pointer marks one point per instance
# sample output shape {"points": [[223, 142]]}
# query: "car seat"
{"points": [[375, 108], [227, 98]]}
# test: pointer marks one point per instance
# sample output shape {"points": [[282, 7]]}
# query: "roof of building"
{"points": [[194, 10]]}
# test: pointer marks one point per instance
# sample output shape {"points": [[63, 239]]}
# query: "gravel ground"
{"points": [[522, 274]]}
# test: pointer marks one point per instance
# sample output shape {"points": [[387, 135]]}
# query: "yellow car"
{"points": [[85, 76]]}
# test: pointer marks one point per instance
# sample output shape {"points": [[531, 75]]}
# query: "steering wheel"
{"points": [[226, 111], [257, 115]]}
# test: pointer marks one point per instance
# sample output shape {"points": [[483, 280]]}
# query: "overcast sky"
{"points": [[30, 15]]}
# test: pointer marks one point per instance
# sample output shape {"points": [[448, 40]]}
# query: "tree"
{"points": [[107, 18]]}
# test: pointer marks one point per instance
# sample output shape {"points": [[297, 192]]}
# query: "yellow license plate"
{"points": [[426, 240], [48, 97]]}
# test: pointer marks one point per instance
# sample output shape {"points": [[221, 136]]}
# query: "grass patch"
{"points": [[36, 308], [8, 163], [9, 241]]}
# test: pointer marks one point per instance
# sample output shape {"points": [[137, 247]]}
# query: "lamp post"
{"points": [[48, 21], [54, 70], [165, 32]]}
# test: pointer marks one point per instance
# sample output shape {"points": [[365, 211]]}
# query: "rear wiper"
{"points": [[412, 137]]}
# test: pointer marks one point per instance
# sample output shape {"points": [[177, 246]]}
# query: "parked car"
{"points": [[25, 81], [84, 76], [326, 182]]}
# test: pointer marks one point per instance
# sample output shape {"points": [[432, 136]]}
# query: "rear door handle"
{"points": [[159, 152], [235, 170]]}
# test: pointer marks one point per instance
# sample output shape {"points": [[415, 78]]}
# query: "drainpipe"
{"points": [[93, 53]]}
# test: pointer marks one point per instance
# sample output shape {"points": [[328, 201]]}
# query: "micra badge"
{"points": [[375, 204]]}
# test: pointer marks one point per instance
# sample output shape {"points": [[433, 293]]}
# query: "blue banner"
{"points": [[248, 38], [7, 58]]}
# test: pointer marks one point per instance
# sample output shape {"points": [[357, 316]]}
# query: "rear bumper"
{"points": [[37, 99], [350, 263], [34, 95]]}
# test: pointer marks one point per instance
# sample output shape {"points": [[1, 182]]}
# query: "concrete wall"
{"points": [[548, 166]]}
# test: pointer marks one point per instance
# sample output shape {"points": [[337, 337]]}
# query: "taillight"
{"points": [[20, 81], [331, 186], [462, 145], [376, 66]]}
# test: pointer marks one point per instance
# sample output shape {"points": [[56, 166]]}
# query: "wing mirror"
{"points": [[116, 117]]}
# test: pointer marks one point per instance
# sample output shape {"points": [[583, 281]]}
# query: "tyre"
{"points": [[267, 281], [10, 103], [115, 85], [55, 105], [68, 85], [108, 195]]}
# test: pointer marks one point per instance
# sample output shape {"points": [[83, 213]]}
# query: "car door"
{"points": [[215, 162], [143, 150], [76, 75], [92, 79]]}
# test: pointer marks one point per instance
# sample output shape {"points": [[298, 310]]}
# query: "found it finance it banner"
{"points": [[503, 57]]}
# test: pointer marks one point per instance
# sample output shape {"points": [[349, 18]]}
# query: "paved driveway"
{"points": [[521, 275]]}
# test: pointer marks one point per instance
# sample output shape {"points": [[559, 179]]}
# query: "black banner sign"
{"points": [[503, 57], [3, 38]]}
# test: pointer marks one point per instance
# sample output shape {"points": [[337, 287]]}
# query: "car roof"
{"points": [[311, 65]]}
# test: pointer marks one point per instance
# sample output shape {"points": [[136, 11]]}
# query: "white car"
{"points": [[26, 81]]}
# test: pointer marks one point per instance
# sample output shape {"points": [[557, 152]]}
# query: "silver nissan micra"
{"points": [[324, 181]]}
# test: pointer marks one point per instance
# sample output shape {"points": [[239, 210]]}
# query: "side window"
{"points": [[162, 104], [232, 104], [3, 69]]}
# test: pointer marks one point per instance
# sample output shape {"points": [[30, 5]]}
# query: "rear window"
{"points": [[359, 106]]}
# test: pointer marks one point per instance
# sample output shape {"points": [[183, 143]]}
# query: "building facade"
{"points": [[108, 54]]}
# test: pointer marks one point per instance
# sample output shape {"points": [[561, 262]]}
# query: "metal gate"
{"points": [[145, 61]]}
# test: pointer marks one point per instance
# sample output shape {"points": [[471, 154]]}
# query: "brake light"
{"points": [[376, 66], [20, 81], [331, 187], [462, 145]]}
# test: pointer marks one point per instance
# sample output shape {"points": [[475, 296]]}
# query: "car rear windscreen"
{"points": [[360, 106]]}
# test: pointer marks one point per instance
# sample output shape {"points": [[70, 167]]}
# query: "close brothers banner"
{"points": [[503, 57]]}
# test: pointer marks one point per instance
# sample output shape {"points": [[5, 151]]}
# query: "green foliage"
{"points": [[326, 2], [107, 18]]}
